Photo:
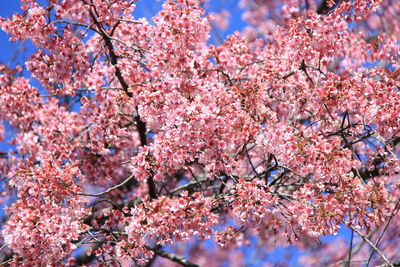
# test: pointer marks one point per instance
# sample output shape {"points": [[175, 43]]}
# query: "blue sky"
{"points": [[7, 8]]}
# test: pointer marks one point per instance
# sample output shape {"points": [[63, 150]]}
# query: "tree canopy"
{"points": [[141, 142]]}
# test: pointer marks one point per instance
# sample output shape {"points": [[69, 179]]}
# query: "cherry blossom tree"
{"points": [[141, 142]]}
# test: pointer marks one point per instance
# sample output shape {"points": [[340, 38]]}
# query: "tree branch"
{"points": [[141, 126], [173, 257], [109, 189], [372, 245], [394, 212], [113, 56]]}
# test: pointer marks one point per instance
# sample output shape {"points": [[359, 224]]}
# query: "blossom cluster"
{"points": [[139, 135]]}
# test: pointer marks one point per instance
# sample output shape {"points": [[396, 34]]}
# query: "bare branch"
{"points": [[394, 212], [173, 257], [372, 245], [109, 189]]}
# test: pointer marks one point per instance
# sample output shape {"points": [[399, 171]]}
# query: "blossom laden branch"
{"points": [[273, 134]]}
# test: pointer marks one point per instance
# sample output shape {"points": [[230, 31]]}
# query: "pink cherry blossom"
{"points": [[145, 141]]}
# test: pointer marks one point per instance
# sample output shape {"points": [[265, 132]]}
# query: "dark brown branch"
{"points": [[152, 187], [251, 163], [323, 7], [288, 75], [141, 126], [173, 257], [395, 264], [223, 184], [393, 141], [113, 56], [303, 67]]}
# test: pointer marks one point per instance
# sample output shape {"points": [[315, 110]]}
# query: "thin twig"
{"points": [[351, 248], [372, 245], [173, 257], [109, 189], [194, 177], [394, 212], [186, 186], [251, 163]]}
